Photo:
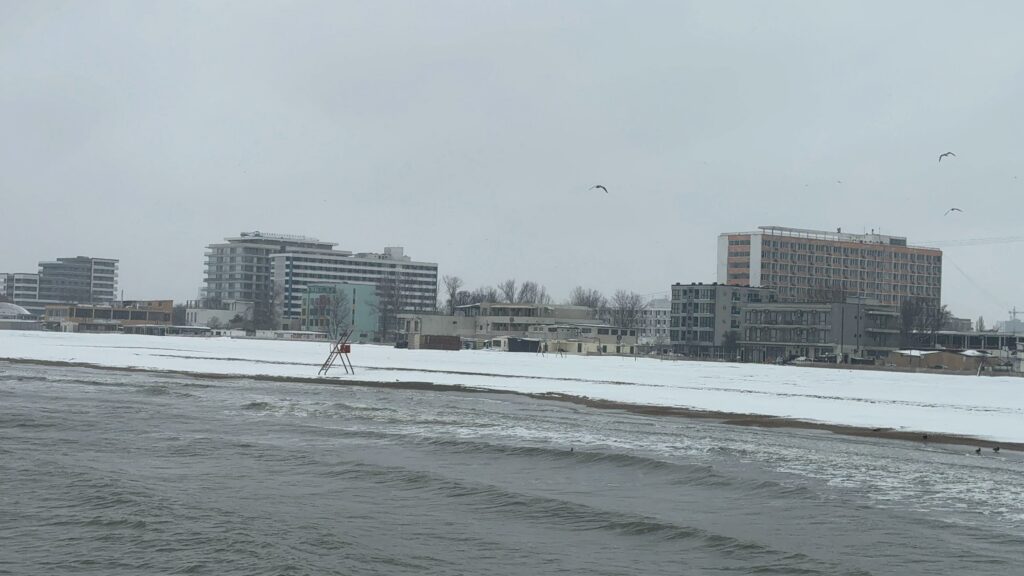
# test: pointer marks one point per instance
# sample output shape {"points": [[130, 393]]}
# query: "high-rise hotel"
{"points": [[812, 265]]}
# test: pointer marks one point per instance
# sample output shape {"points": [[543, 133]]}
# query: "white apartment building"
{"points": [[239, 268], [259, 267], [654, 321], [416, 282], [19, 286]]}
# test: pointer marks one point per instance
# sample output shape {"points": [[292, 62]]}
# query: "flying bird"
{"points": [[952, 210], [941, 156], [599, 186]]}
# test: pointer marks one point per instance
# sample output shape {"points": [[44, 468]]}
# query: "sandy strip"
{"points": [[649, 410]]}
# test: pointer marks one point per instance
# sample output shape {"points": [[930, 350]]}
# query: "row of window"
{"points": [[874, 253]]}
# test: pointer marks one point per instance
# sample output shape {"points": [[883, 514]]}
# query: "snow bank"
{"points": [[987, 407]]}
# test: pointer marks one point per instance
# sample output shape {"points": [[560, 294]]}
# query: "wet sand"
{"points": [[733, 418]]}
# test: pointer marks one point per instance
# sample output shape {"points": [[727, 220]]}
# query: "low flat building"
{"points": [[108, 317], [14, 317], [989, 341], [956, 360], [489, 321], [218, 314], [840, 332]]}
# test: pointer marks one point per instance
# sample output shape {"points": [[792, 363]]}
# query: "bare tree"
{"points": [[832, 295], [179, 315], [626, 308], [389, 304], [731, 343], [452, 284], [462, 298], [980, 324], [507, 290], [485, 294], [266, 309], [920, 319], [590, 298], [911, 310], [332, 312]]}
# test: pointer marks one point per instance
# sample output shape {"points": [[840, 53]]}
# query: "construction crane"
{"points": [[974, 241]]}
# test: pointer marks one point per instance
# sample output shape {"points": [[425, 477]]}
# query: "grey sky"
{"points": [[470, 132]]}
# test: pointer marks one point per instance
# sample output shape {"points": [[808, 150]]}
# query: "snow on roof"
{"points": [[916, 353], [8, 310]]}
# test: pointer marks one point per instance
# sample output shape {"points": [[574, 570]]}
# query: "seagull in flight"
{"points": [[941, 156], [599, 186], [952, 210]]}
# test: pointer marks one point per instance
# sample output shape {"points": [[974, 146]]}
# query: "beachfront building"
{"points": [[239, 269], [653, 322], [108, 317], [22, 289], [14, 317], [706, 320], [81, 279], [333, 308], [524, 327], [832, 332], [816, 266], [218, 314], [274, 271], [407, 284]]}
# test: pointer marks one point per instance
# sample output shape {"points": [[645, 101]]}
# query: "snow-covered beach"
{"points": [[982, 407]]}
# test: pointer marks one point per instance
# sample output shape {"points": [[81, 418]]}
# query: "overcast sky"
{"points": [[470, 132]]}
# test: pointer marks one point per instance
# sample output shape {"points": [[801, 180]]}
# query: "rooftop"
{"points": [[8, 310], [837, 236]]}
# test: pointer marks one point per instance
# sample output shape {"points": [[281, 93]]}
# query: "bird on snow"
{"points": [[943, 155], [977, 450], [599, 186], [996, 449], [952, 210]]}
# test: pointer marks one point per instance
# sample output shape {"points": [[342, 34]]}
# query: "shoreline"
{"points": [[732, 418]]}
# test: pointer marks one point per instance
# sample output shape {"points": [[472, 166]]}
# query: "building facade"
{"points": [[706, 320], [20, 287], [332, 308], [218, 314], [653, 324], [108, 317], [239, 269], [80, 279], [482, 324], [412, 285], [833, 332], [275, 268], [810, 265]]}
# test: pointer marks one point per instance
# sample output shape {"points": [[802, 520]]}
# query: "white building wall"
{"points": [[755, 260], [723, 258]]}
